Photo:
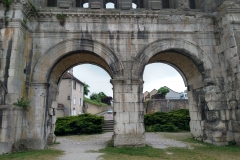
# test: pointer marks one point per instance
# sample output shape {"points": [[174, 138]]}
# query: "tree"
{"points": [[94, 96], [86, 89], [107, 100], [101, 95], [163, 91]]}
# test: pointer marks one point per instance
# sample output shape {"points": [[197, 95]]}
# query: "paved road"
{"points": [[78, 147]]}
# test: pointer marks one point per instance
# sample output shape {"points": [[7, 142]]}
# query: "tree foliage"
{"points": [[170, 122], [107, 100], [86, 89], [101, 97], [163, 91], [94, 96], [81, 124]]}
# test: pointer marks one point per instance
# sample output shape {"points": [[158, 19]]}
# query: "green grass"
{"points": [[45, 154], [197, 150], [94, 102]]}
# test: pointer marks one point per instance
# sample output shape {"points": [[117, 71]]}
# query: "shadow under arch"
{"points": [[72, 52]]}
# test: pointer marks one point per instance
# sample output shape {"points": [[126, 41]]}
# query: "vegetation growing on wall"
{"points": [[23, 102], [6, 4], [61, 18], [172, 121], [32, 11], [81, 124]]}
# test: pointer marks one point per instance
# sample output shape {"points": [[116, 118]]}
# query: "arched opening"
{"points": [[71, 97], [188, 59], [168, 4], [110, 5], [51, 66], [192, 4], [184, 81], [86, 5], [134, 6], [52, 3]]}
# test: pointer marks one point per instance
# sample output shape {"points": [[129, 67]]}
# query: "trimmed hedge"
{"points": [[172, 121], [81, 124]]}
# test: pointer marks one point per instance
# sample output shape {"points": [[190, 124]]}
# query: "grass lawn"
{"points": [[197, 151], [46, 154], [94, 102]]}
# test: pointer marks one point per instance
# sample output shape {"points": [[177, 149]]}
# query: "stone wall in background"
{"points": [[165, 105], [94, 109]]}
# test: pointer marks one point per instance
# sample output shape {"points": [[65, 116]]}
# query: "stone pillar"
{"points": [[125, 4], [153, 4], [182, 4], [96, 4], [128, 113]]}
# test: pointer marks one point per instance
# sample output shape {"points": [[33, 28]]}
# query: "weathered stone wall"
{"points": [[165, 105], [12, 122], [93, 109], [203, 45]]}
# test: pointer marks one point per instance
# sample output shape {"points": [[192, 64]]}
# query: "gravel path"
{"points": [[80, 147]]}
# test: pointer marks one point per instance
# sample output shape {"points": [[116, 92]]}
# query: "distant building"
{"points": [[70, 97], [170, 95]]}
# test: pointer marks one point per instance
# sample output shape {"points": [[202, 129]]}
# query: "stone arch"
{"points": [[180, 46], [75, 51], [50, 67], [192, 61]]}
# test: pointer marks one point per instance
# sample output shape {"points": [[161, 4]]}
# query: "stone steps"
{"points": [[108, 126]]}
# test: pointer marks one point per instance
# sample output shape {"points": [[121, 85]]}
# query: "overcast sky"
{"points": [[155, 76]]}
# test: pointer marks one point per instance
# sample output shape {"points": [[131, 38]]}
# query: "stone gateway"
{"points": [[41, 39]]}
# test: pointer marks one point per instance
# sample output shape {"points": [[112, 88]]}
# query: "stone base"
{"points": [[129, 140], [5, 147]]}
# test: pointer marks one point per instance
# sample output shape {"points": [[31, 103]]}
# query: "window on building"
{"points": [[52, 3], [192, 4], [74, 100], [165, 4], [110, 5], [74, 112], [80, 102], [74, 85]]}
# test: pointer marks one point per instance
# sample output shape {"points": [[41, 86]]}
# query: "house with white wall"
{"points": [[70, 96]]}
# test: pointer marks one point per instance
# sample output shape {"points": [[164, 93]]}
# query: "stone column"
{"points": [[182, 4], [128, 113], [153, 4], [125, 4]]}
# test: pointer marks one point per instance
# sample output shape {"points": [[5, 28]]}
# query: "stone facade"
{"points": [[203, 43]]}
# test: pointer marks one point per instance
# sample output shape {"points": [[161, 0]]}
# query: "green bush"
{"points": [[81, 124], [172, 121]]}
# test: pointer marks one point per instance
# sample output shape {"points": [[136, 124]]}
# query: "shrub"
{"points": [[170, 122], [81, 124]]}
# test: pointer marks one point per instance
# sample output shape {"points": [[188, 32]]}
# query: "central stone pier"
{"points": [[128, 113]]}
